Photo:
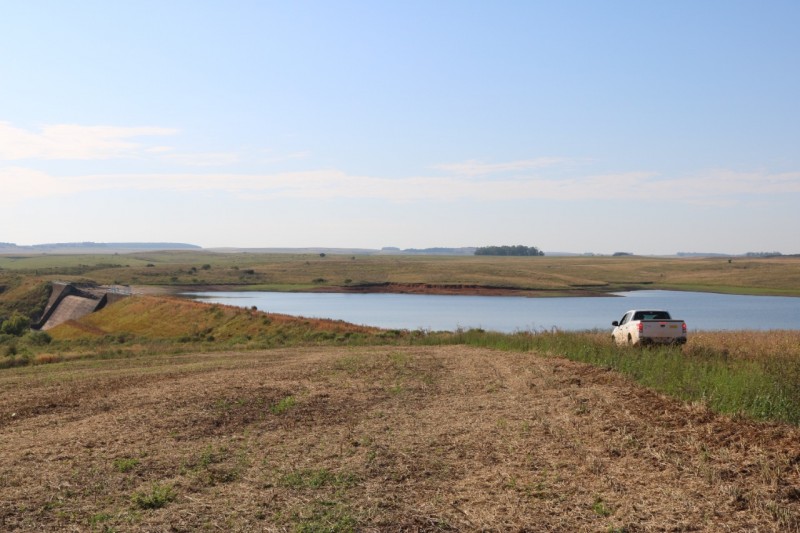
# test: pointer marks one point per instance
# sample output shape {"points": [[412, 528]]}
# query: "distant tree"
{"points": [[763, 254], [322, 254], [518, 250]]}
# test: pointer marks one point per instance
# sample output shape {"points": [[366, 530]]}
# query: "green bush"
{"points": [[16, 324], [37, 338]]}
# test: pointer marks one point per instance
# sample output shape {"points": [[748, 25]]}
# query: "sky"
{"points": [[573, 126]]}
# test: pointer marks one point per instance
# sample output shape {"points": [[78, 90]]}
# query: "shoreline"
{"points": [[382, 288], [456, 289]]}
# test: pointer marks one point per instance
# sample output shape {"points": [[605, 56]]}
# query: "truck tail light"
{"points": [[640, 326], [684, 327]]}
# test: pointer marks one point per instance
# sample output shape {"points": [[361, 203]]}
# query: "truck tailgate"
{"points": [[661, 328]]}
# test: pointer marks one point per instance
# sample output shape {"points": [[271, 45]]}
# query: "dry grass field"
{"points": [[403, 273], [382, 438]]}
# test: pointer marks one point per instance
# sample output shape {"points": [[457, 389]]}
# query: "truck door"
{"points": [[621, 331]]}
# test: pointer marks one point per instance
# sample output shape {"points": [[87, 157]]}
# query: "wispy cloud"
{"points": [[203, 159], [24, 183], [713, 187], [270, 159], [218, 159], [473, 167], [69, 141]]}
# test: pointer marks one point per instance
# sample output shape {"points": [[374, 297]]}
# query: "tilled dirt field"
{"points": [[377, 439]]}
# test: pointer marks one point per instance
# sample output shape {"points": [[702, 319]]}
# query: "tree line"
{"points": [[518, 250]]}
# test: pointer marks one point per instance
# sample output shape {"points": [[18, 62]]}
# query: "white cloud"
{"points": [[718, 186], [69, 141], [23, 183]]}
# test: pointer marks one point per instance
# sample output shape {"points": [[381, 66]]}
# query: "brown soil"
{"points": [[378, 439]]}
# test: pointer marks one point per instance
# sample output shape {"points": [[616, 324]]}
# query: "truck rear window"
{"points": [[651, 315]]}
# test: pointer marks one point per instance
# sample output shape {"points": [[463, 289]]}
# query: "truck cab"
{"points": [[644, 327]]}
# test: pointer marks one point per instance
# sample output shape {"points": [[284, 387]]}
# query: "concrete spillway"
{"points": [[69, 302]]}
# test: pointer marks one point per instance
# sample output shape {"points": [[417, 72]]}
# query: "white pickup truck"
{"points": [[644, 327]]}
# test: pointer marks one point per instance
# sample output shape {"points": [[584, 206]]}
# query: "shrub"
{"points": [[37, 338], [11, 349], [16, 324]]}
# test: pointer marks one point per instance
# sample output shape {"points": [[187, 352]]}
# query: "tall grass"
{"points": [[762, 381]]}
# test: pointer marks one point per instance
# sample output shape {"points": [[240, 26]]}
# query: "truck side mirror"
{"points": [[615, 323]]}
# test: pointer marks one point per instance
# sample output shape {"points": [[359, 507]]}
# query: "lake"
{"points": [[701, 311]]}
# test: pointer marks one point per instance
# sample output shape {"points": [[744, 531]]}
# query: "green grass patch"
{"points": [[315, 479], [601, 508], [214, 466], [97, 522], [156, 497], [283, 405], [323, 516], [125, 464]]}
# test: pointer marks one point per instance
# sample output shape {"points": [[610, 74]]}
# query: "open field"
{"points": [[160, 413], [536, 276], [377, 438]]}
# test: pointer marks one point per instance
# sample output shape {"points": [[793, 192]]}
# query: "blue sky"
{"points": [[582, 126]]}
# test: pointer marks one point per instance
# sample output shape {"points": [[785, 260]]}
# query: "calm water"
{"points": [[504, 313]]}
